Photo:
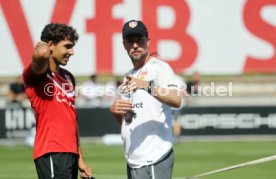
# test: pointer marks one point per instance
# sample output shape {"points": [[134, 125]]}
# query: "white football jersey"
{"points": [[181, 85], [148, 137]]}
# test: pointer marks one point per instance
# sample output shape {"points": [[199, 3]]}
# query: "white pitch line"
{"points": [[250, 163]]}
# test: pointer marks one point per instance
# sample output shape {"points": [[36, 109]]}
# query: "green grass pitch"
{"points": [[191, 158]]}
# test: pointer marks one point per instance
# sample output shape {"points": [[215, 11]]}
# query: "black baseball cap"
{"points": [[134, 27]]}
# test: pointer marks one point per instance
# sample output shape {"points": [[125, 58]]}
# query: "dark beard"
{"points": [[133, 59]]}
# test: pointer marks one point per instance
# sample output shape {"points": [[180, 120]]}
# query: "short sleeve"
{"points": [[30, 78], [165, 76], [180, 82]]}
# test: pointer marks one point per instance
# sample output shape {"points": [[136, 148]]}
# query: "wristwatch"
{"points": [[151, 87]]}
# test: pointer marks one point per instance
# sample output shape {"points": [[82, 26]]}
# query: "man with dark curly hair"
{"points": [[50, 89]]}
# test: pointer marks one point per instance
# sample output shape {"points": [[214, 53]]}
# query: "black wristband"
{"points": [[151, 87]]}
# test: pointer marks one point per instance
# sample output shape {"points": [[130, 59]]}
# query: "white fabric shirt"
{"points": [[148, 138], [181, 85]]}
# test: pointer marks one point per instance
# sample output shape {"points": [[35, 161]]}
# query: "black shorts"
{"points": [[57, 166]]}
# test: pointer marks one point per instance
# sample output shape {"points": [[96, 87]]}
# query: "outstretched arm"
{"points": [[164, 95]]}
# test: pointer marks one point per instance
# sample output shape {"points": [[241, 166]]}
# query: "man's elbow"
{"points": [[177, 103]]}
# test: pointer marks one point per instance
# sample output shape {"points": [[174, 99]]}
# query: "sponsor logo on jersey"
{"points": [[137, 105]]}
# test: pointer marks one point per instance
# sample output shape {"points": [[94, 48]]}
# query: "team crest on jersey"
{"points": [[143, 74], [132, 24]]}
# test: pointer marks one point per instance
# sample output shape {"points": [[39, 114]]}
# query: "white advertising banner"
{"points": [[208, 36]]}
